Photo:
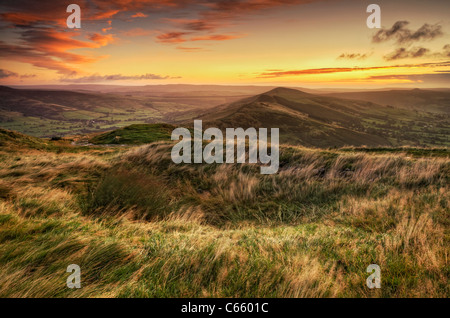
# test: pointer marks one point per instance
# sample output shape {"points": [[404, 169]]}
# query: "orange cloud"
{"points": [[40, 59], [272, 74], [102, 40], [172, 37], [215, 37], [28, 14], [317, 71], [95, 78], [42, 38], [48, 48], [195, 24], [104, 15], [179, 37], [139, 15]]}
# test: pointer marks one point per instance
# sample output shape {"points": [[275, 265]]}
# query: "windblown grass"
{"points": [[122, 190], [140, 226]]}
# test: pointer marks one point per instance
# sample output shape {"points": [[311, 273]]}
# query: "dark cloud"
{"points": [[231, 9], [115, 77], [27, 75], [6, 74], [353, 56], [401, 34], [180, 37], [446, 49], [403, 53], [195, 24], [172, 37], [215, 15]]}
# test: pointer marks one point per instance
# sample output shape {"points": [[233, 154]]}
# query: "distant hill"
{"points": [[62, 105], [437, 101], [379, 118], [326, 121], [45, 113], [193, 95], [185, 89], [135, 134]]}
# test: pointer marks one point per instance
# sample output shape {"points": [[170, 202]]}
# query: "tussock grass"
{"points": [[140, 226], [309, 184], [125, 190]]}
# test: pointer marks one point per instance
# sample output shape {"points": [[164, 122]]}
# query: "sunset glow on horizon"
{"points": [[310, 43]]}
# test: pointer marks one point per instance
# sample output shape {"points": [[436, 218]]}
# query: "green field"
{"points": [[135, 134]]}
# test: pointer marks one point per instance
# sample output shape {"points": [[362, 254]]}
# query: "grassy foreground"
{"points": [[140, 226]]}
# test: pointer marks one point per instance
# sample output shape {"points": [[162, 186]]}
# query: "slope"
{"points": [[415, 99], [45, 113], [324, 121]]}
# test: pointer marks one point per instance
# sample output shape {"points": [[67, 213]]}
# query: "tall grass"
{"points": [[140, 226], [126, 190]]}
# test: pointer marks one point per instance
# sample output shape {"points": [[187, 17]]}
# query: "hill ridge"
{"points": [[327, 121]]}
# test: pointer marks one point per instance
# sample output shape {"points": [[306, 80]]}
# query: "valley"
{"points": [[304, 118]]}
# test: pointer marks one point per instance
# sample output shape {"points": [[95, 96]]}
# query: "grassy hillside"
{"points": [[416, 99], [46, 113], [322, 121], [141, 226], [9, 139], [135, 134]]}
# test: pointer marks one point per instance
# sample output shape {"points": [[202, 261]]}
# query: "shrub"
{"points": [[125, 190], [5, 191]]}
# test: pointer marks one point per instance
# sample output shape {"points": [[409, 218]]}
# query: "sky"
{"points": [[308, 43]]}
